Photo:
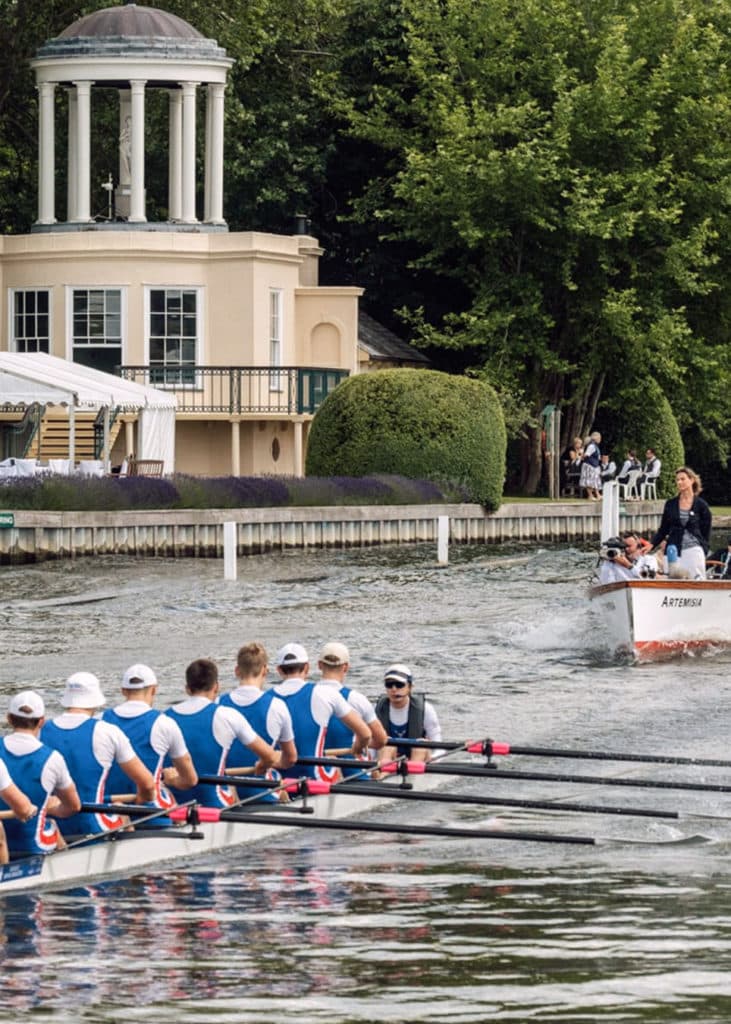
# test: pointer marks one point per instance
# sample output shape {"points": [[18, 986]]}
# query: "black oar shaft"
{"points": [[126, 810], [595, 780], [239, 782], [601, 755], [290, 820], [396, 793]]}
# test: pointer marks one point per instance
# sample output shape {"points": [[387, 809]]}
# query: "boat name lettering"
{"points": [[681, 602]]}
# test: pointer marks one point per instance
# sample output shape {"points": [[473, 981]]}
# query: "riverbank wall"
{"points": [[32, 536]]}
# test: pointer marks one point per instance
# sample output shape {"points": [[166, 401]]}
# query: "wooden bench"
{"points": [[145, 467]]}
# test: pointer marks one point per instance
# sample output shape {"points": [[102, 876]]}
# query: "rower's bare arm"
{"points": [[18, 802], [362, 734], [141, 777], [287, 753], [378, 735], [268, 756], [183, 775], [64, 802]]}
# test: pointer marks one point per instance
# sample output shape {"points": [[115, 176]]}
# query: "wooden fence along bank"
{"points": [[31, 536]]}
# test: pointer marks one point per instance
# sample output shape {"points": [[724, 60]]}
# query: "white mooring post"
{"points": [[443, 540], [229, 551], [610, 510]]}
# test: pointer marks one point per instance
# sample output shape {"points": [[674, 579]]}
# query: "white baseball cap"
{"points": [[401, 673], [292, 654], [82, 691], [335, 654], [27, 704], [138, 677]]}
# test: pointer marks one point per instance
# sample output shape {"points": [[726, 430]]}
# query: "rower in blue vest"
{"points": [[17, 802], [90, 748], [266, 713], [312, 706], [155, 738], [43, 776], [334, 665], [210, 731], [404, 713]]}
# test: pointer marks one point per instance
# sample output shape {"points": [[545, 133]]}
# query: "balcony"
{"points": [[241, 390]]}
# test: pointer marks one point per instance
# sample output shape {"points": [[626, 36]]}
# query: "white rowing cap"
{"points": [[399, 673], [83, 691], [138, 677], [27, 704], [292, 654]]}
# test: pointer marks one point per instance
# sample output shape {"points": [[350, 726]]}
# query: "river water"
{"points": [[349, 927]]}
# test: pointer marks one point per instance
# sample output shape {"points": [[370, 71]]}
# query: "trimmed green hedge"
{"points": [[646, 420], [419, 423]]}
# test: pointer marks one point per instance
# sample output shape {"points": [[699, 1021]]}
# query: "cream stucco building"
{"points": [[235, 324]]}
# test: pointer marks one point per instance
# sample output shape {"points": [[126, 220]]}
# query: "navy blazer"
{"points": [[671, 528]]}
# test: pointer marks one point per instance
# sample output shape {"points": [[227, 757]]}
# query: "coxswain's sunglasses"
{"points": [[398, 683]]}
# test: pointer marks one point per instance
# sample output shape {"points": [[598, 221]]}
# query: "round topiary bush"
{"points": [[419, 423], [645, 420]]}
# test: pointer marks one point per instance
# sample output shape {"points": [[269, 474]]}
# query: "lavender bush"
{"points": [[112, 494]]}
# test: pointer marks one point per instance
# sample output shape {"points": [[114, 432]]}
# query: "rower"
{"points": [[210, 731], [312, 707], [154, 737], [406, 714], [90, 748], [43, 776], [334, 664], [266, 713], [17, 803]]}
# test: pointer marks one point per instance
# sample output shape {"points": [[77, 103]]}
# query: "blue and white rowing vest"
{"points": [[339, 735], [239, 756], [138, 730], [309, 735], [89, 774], [39, 835], [209, 757]]}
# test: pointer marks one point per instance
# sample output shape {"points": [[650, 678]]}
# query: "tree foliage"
{"points": [[418, 423]]}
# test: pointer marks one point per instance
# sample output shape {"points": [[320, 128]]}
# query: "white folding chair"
{"points": [[91, 467], [628, 490], [61, 467], [26, 467], [649, 489]]}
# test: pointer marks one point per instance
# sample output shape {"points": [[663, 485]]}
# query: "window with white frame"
{"points": [[275, 337], [31, 320], [173, 335], [96, 327]]}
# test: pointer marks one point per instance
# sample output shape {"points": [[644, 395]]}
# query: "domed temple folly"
{"points": [[155, 288]]}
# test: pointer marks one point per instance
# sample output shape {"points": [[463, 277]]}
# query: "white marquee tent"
{"points": [[26, 378]]}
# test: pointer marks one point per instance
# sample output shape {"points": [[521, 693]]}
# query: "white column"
{"points": [[71, 157], [175, 129], [72, 436], [125, 137], [137, 196], [214, 154], [46, 154], [207, 160], [299, 460], [83, 150], [188, 151], [129, 438], [235, 448]]}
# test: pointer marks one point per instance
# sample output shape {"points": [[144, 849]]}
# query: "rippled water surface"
{"points": [[350, 927]]}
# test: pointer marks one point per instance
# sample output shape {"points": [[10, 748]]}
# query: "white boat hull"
{"points": [[130, 853], [650, 619]]}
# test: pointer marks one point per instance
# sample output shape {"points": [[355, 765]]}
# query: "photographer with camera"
{"points": [[626, 558]]}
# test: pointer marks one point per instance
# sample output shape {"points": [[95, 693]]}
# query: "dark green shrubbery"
{"points": [[645, 420], [419, 423]]}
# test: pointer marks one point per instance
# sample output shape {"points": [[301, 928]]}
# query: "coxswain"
{"points": [[90, 748], [406, 714], [210, 731], [266, 713], [312, 707], [155, 738], [334, 665], [41, 773]]}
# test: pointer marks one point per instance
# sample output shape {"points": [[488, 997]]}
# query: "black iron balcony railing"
{"points": [[289, 390]]}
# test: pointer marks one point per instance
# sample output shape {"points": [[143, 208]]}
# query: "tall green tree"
{"points": [[567, 166]]}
